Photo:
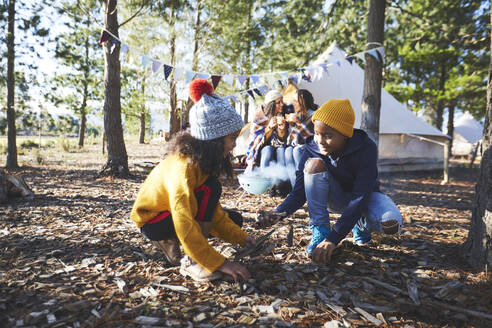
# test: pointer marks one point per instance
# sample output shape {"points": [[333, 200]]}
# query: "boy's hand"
{"points": [[322, 253], [267, 218], [250, 242], [235, 270]]}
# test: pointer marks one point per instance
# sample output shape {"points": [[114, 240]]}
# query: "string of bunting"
{"points": [[261, 82]]}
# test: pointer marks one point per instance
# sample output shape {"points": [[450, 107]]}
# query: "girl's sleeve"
{"points": [[181, 196], [224, 228]]}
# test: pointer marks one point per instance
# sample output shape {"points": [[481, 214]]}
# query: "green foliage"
{"points": [[27, 144], [66, 144]]}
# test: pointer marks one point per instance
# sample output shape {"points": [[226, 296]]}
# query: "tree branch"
{"points": [[134, 15]]}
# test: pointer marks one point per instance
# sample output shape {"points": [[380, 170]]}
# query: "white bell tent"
{"points": [[467, 133], [406, 142]]}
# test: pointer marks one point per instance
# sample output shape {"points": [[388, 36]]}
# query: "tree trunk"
{"points": [[174, 123], [83, 123], [373, 74], [451, 128], [478, 247], [440, 104], [246, 104], [83, 110], [194, 64], [117, 163], [11, 135], [141, 139]]}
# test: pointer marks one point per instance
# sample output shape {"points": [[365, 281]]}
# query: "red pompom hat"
{"points": [[198, 87], [211, 117]]}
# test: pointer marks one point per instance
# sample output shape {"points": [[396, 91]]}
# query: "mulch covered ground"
{"points": [[70, 257]]}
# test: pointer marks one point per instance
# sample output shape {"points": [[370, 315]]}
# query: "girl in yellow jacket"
{"points": [[179, 201]]}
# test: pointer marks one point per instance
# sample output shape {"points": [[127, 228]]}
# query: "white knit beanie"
{"points": [[212, 117]]}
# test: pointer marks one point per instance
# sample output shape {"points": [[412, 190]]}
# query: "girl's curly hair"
{"points": [[207, 153]]}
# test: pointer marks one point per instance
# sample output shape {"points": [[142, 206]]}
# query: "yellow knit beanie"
{"points": [[337, 114]]}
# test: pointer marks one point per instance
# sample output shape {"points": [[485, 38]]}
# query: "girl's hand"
{"points": [[273, 123], [250, 242], [235, 270]]}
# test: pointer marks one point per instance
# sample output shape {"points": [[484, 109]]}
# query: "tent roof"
{"points": [[468, 128], [345, 80]]}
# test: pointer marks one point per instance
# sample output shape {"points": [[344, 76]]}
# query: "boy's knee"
{"points": [[315, 165]]}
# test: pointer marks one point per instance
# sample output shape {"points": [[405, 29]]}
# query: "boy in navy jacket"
{"points": [[338, 173]]}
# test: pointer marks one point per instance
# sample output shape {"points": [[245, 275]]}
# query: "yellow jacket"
{"points": [[170, 187]]}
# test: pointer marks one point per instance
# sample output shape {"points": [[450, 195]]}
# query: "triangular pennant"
{"points": [[264, 89], [284, 74], [155, 66], [361, 56], [257, 91], [114, 42], [167, 71], [380, 52], [124, 47], [251, 94], [229, 78], [374, 53], [189, 76], [216, 80], [145, 60], [350, 59], [255, 78], [294, 78], [204, 76], [177, 73], [105, 36], [242, 79]]}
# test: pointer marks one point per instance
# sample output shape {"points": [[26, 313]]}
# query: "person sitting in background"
{"points": [[301, 127]]}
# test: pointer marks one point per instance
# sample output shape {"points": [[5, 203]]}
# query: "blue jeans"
{"points": [[267, 156], [292, 158], [324, 195]]}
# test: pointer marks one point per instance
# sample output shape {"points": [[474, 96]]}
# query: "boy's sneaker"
{"points": [[361, 237], [196, 272], [319, 233], [171, 250]]}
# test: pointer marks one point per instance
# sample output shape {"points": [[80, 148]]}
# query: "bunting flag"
{"points": [[380, 51], [124, 47], [167, 71], [361, 56], [105, 36], [114, 43], [257, 91], [350, 59], [251, 94], [255, 79], [229, 78], [374, 53], [177, 73], [189, 76], [264, 89], [216, 80], [204, 76], [155, 66], [241, 79], [145, 60], [293, 78]]}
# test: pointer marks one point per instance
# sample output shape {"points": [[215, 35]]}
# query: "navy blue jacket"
{"points": [[357, 173]]}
